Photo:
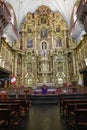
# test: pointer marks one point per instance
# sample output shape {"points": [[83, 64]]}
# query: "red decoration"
{"points": [[13, 80], [64, 84]]}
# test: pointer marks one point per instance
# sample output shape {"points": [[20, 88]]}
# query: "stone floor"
{"points": [[45, 117]]}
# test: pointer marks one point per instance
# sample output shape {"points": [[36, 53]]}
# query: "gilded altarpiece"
{"points": [[43, 40]]}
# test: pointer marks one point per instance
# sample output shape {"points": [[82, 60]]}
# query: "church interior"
{"points": [[43, 59]]}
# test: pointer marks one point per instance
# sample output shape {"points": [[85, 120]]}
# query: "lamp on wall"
{"points": [[0, 59], [86, 61], [3, 63]]}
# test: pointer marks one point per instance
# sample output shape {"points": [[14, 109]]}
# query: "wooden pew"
{"points": [[4, 118], [9, 121], [23, 103], [79, 119], [64, 102], [71, 107]]}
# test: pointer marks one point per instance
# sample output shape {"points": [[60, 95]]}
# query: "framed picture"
{"points": [[58, 43], [30, 43], [43, 33]]}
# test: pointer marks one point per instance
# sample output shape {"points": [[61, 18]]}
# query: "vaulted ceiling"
{"points": [[67, 8], [22, 7]]}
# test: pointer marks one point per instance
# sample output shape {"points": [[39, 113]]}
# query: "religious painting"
{"points": [[30, 43], [58, 43], [43, 33]]}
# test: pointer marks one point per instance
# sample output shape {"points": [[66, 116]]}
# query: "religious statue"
{"points": [[43, 33]]}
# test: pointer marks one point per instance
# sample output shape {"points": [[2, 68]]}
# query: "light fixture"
{"points": [[86, 61], [0, 58], [3, 63]]}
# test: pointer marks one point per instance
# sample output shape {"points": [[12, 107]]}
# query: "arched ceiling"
{"points": [[22, 7], [65, 7], [77, 28]]}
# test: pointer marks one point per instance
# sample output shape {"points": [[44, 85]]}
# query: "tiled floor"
{"points": [[45, 117]]}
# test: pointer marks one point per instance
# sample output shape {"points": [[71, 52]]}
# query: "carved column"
{"points": [[35, 47], [15, 71], [74, 63], [67, 70]]}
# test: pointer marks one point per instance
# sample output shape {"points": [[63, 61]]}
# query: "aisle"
{"points": [[46, 117]]}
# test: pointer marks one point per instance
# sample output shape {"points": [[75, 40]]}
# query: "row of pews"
{"points": [[13, 113], [74, 112]]}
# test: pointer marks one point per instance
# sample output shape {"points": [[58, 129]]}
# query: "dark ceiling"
{"points": [[4, 73]]}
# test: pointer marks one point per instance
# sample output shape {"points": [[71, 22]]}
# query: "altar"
{"points": [[45, 83]]}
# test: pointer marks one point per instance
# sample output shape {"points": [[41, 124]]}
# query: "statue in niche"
{"points": [[44, 45], [58, 29], [30, 43], [43, 33], [44, 67], [29, 30], [67, 42], [43, 20], [44, 53], [58, 43]]}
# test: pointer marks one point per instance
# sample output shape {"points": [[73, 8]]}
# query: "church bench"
{"points": [[9, 121], [14, 108], [71, 107], [78, 119], [4, 118], [63, 103], [23, 103]]}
